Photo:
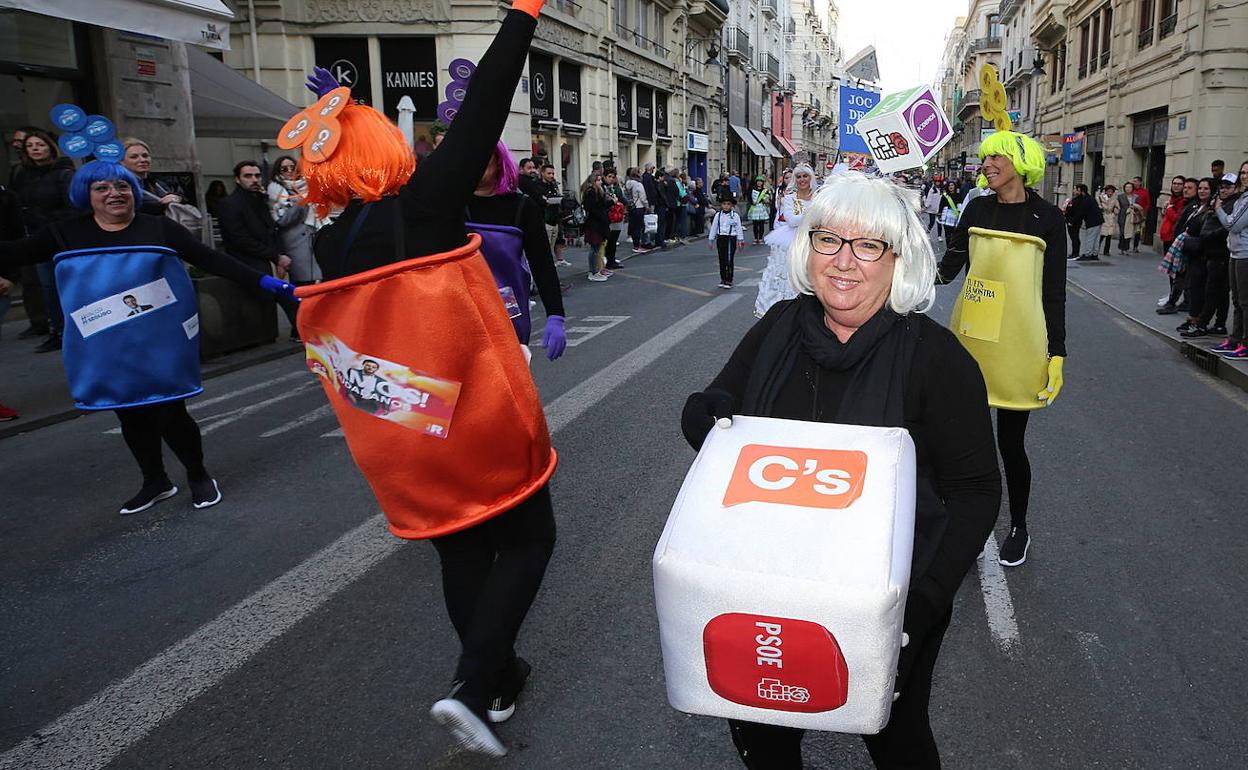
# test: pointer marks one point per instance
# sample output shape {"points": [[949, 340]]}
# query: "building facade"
{"points": [[978, 44]]}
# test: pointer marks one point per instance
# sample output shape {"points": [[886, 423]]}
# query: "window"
{"points": [[621, 16], [697, 119], [994, 25], [1169, 17], [1106, 34], [1083, 49], [1061, 65], [1094, 41], [1147, 13]]}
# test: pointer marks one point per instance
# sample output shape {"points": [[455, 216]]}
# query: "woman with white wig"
{"points": [[855, 347], [774, 284]]}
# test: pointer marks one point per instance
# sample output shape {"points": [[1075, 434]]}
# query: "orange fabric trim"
{"points": [[531, 7]]}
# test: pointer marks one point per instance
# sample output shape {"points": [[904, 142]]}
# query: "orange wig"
{"points": [[371, 161]]}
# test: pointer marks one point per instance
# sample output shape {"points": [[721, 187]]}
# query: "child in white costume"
{"points": [[774, 285]]}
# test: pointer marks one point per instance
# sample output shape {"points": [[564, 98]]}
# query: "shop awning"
{"points": [[765, 143], [751, 141], [202, 22], [227, 103], [786, 145]]}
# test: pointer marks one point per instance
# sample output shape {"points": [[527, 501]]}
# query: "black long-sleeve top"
{"points": [[431, 205], [501, 210], [1034, 216], [946, 412], [146, 230]]}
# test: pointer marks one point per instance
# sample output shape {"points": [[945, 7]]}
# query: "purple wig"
{"points": [[508, 171]]}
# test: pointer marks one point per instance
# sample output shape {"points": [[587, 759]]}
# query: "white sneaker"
{"points": [[562, 263], [469, 730], [597, 277], [725, 286]]}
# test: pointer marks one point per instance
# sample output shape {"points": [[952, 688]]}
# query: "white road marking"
{"points": [[91, 735], [196, 405], [234, 415], [318, 413], [603, 322], [997, 602], [335, 433]]}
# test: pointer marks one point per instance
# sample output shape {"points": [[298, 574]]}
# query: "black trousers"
{"points": [[760, 229], [145, 427], [636, 226], [490, 576], [1217, 292], [1073, 232], [613, 240], [1197, 282], [726, 245], [662, 235], [1011, 442], [905, 743]]}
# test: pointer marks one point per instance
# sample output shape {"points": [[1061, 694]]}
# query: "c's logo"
{"points": [[812, 478]]}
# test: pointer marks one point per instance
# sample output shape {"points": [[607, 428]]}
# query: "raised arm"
{"points": [[446, 178]]}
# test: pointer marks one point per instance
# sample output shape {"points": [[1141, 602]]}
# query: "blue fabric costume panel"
{"points": [[503, 249], [131, 326]]}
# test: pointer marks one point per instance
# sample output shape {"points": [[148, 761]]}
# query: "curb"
{"points": [[30, 426], [1207, 360]]}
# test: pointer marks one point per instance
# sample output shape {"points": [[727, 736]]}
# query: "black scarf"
{"points": [[878, 357]]}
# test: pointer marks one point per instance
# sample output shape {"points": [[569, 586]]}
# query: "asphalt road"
{"points": [[285, 628]]}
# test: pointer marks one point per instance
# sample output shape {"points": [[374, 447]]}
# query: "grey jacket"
{"points": [[1236, 224]]}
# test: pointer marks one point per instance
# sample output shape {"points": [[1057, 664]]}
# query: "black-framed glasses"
{"points": [[104, 188], [829, 244]]}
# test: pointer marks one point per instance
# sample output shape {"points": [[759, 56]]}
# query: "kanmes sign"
{"points": [[409, 67]]}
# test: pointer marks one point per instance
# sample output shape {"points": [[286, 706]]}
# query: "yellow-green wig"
{"points": [[1025, 152]]}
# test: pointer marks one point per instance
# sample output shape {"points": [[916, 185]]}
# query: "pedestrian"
{"points": [[949, 211], [1129, 215], [1233, 215], [931, 207], [1182, 191], [296, 223], [498, 203], [597, 225], [213, 197], [616, 215], [494, 550], [680, 212], [1214, 254], [728, 235], [149, 413], [760, 208], [638, 204], [1012, 165], [856, 347], [699, 204], [774, 283], [669, 196], [249, 234], [138, 159], [552, 200], [1217, 169], [1084, 213], [1110, 209], [777, 192], [654, 201], [734, 185], [529, 182], [42, 187], [1144, 199], [1197, 267]]}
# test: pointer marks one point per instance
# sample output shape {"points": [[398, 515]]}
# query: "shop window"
{"points": [[37, 41]]}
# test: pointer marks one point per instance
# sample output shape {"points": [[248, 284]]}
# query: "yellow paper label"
{"points": [[982, 308]]}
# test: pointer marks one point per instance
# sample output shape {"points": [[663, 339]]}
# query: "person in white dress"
{"points": [[774, 285]]}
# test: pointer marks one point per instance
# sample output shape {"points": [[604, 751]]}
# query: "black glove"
{"points": [[702, 409]]}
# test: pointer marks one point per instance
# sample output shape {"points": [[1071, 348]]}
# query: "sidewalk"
{"points": [[1131, 285], [34, 383]]}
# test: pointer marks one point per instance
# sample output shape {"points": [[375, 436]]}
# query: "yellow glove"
{"points": [[1049, 394]]}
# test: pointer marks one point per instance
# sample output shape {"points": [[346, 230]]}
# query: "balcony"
{"points": [[984, 44], [772, 67], [1168, 24], [1049, 20], [771, 8], [969, 99], [1104, 59], [1007, 9], [1145, 38], [641, 41], [738, 44]]}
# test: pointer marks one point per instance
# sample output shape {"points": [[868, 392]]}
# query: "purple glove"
{"points": [[321, 82], [554, 339], [278, 286]]}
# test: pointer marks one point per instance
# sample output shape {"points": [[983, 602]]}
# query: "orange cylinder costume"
{"points": [[447, 428]]}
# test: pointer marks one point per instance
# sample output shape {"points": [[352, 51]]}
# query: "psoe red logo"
{"points": [[814, 478], [774, 663]]}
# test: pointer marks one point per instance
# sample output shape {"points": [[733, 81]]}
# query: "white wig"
{"points": [[878, 208]]}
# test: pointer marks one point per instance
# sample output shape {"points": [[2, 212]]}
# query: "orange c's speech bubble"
{"points": [[812, 478]]}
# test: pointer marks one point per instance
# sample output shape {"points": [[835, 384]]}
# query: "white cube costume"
{"points": [[781, 576]]}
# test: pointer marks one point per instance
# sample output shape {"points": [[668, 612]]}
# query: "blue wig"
{"points": [[101, 171]]}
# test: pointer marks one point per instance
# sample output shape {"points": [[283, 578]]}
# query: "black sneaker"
{"points": [[1183, 326], [1014, 549], [504, 704], [1182, 307], [1194, 332], [1167, 310], [467, 724], [205, 493], [49, 345], [1088, 258], [148, 496], [31, 332], [1219, 330]]}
